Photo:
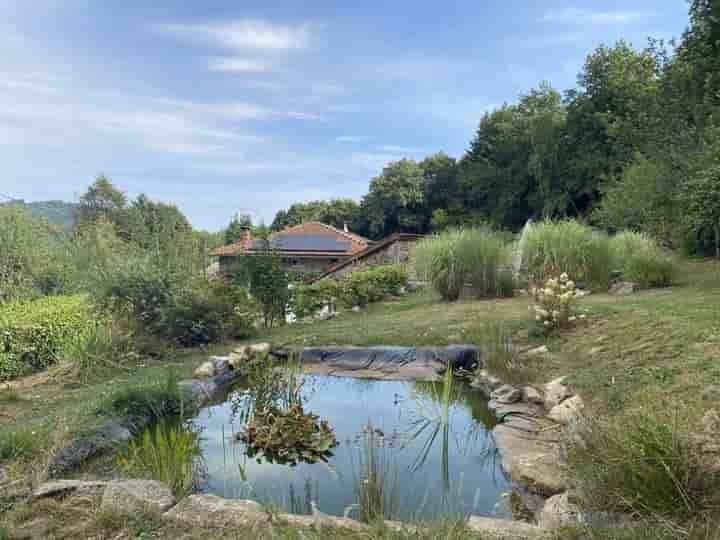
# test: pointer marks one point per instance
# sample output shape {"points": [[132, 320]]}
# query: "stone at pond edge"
{"points": [[542, 349], [137, 496], [556, 392], [622, 288], [532, 395], [63, 487], [559, 511], [204, 370], [568, 411], [506, 394], [486, 383], [213, 511], [500, 529]]}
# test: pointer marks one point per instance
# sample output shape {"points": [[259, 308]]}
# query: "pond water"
{"points": [[434, 459]]}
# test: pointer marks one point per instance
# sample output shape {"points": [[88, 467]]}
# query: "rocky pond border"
{"points": [[527, 437]]}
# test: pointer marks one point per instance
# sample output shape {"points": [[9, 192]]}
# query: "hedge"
{"points": [[33, 335]]}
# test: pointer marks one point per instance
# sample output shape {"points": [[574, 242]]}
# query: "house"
{"points": [[394, 249], [309, 248]]}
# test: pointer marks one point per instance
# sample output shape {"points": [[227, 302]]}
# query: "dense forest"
{"points": [[634, 145]]}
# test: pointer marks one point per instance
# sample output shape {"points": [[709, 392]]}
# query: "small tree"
{"points": [[701, 198], [264, 275]]}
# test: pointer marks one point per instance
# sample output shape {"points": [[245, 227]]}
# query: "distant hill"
{"points": [[60, 212]]}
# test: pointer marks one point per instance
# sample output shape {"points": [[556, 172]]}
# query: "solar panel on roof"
{"points": [[305, 242]]}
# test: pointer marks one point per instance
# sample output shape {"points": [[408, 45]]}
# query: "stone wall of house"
{"points": [[300, 265], [399, 252]]}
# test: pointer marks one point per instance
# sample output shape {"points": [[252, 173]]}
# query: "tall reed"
{"points": [[568, 246], [376, 482], [642, 260]]}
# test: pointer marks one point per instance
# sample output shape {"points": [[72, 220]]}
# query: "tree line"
{"points": [[633, 145]]}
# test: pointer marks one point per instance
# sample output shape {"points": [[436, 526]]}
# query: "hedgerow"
{"points": [[33, 335]]}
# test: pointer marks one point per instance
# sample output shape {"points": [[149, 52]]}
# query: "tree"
{"points": [[335, 212], [396, 200], [701, 203], [102, 200], [237, 224]]}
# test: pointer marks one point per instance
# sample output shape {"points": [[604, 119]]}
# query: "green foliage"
{"points": [[236, 227], [35, 334], [645, 463], [642, 260], [151, 401], [17, 444], [106, 346], [499, 356], [478, 257], [554, 247], [372, 284], [101, 202], [168, 453], [335, 212], [288, 436], [267, 281], [309, 299], [701, 201]]}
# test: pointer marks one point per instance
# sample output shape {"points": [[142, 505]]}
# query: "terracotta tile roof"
{"points": [[310, 228]]}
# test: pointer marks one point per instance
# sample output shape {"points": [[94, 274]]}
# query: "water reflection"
{"points": [[431, 444]]}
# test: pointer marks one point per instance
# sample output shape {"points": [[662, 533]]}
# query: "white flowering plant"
{"points": [[554, 303]]}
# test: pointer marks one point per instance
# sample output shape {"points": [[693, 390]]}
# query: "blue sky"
{"points": [[222, 106]]}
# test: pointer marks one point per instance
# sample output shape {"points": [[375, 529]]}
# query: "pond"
{"points": [[432, 451]]}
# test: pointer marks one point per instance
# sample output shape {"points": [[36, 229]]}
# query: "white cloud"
{"points": [[352, 138], [584, 16], [401, 149], [246, 34], [241, 65]]}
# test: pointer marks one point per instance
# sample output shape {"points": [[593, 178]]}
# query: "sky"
{"points": [[227, 106]]}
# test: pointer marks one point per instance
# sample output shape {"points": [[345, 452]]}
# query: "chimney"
{"points": [[345, 227], [246, 237]]}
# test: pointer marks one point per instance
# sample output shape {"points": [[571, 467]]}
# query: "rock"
{"points": [[710, 422], [260, 349], [213, 511], [503, 529], [506, 394], [501, 410], [594, 350], [204, 370], [137, 496], [486, 383], [559, 511], [532, 395], [568, 411], [622, 288], [556, 392], [356, 309], [537, 351], [221, 364], [60, 488]]}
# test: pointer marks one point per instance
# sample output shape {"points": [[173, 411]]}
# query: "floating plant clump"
{"points": [[288, 436]]}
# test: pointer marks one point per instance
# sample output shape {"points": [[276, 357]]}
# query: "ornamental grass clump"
{"points": [[642, 260], [553, 247], [554, 303]]}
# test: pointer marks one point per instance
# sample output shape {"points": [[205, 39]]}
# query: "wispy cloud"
{"points": [[585, 16], [352, 138], [246, 34], [401, 149], [242, 65]]}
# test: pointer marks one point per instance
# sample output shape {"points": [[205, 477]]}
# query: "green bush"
{"points": [[554, 247], [645, 463], [477, 257], [106, 346], [308, 299], [153, 400], [34, 335], [642, 260], [372, 284]]}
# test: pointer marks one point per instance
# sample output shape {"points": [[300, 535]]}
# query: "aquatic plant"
{"points": [[376, 482], [288, 436], [168, 453]]}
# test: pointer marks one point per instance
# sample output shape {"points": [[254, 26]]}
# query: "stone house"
{"points": [[310, 248]]}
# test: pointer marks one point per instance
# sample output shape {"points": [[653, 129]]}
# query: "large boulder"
{"points": [[486, 383], [622, 288], [204, 370], [61, 488], [506, 394], [211, 511], [530, 394], [568, 411], [558, 511], [556, 392], [137, 496]]}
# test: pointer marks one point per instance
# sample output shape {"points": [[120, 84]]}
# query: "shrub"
{"points": [[34, 334], [554, 303], [372, 284], [646, 463], [309, 299], [167, 453], [642, 260], [105, 346], [478, 257], [150, 401], [553, 247]]}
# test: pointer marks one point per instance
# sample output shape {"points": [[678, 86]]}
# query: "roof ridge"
{"points": [[348, 234]]}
